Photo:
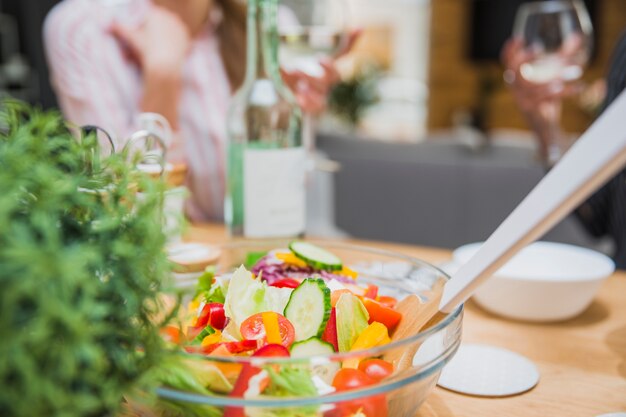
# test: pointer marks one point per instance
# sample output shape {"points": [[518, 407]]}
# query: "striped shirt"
{"points": [[97, 84], [604, 213]]}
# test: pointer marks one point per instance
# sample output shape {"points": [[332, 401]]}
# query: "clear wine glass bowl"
{"points": [[310, 30], [557, 38], [400, 395]]}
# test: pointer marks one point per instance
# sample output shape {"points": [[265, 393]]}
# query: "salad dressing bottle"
{"points": [[265, 192]]}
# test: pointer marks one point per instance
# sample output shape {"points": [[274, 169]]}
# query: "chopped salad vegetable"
{"points": [[301, 302]]}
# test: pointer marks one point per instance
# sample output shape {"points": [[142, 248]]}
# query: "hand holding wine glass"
{"points": [[544, 60], [314, 34]]}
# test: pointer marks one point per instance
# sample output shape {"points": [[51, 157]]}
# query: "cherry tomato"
{"points": [[252, 329], [286, 283], [348, 379], [272, 350], [376, 369]]}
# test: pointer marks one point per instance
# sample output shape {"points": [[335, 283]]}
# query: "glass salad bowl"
{"points": [[388, 379]]}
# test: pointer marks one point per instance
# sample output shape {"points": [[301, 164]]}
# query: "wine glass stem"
{"points": [[554, 145], [308, 137]]}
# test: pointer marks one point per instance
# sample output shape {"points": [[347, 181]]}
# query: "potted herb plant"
{"points": [[81, 265]]}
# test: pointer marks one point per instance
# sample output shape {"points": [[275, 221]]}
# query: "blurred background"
{"points": [[426, 132]]}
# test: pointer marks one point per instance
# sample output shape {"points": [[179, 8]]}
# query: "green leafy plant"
{"points": [[350, 98], [81, 264]]}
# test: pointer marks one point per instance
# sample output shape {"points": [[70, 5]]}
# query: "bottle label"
{"points": [[274, 192]]}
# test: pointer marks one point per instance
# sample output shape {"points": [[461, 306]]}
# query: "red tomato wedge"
{"points": [[330, 332], [247, 372], [376, 369], [252, 328], [385, 315]]}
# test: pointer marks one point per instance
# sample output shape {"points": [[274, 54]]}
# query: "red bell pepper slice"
{"points": [[371, 292], [385, 315], [232, 347], [286, 283], [330, 332], [247, 372], [212, 314]]}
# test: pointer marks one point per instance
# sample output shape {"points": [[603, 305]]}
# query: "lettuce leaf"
{"points": [[176, 373], [247, 295], [288, 382], [211, 292]]}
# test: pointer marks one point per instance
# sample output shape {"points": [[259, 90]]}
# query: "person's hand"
{"points": [[160, 44], [528, 95], [312, 92], [539, 102]]}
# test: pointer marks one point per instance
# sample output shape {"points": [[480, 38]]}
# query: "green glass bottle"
{"points": [[265, 193]]}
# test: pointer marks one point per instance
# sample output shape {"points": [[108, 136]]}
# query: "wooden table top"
{"points": [[582, 361]]}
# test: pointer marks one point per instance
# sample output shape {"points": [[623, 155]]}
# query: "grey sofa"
{"points": [[436, 193]]}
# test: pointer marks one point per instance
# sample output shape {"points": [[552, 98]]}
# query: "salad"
{"points": [[298, 302]]}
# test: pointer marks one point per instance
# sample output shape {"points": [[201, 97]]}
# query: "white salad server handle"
{"points": [[595, 158]]}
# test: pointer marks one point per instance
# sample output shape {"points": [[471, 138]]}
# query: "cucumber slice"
{"points": [[316, 347], [315, 256], [313, 346], [309, 308]]}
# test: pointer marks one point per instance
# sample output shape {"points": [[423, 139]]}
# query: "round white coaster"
{"points": [[488, 371]]}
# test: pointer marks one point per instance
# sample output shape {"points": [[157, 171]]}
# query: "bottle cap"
{"points": [[190, 257]]}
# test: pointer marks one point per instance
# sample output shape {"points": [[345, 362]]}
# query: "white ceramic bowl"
{"points": [[543, 282]]}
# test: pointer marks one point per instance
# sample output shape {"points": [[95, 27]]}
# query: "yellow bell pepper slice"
{"points": [[348, 272], [193, 306], [376, 334], [290, 258], [212, 339], [272, 331]]}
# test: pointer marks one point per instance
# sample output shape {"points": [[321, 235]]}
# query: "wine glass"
{"points": [[557, 38], [310, 30]]}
